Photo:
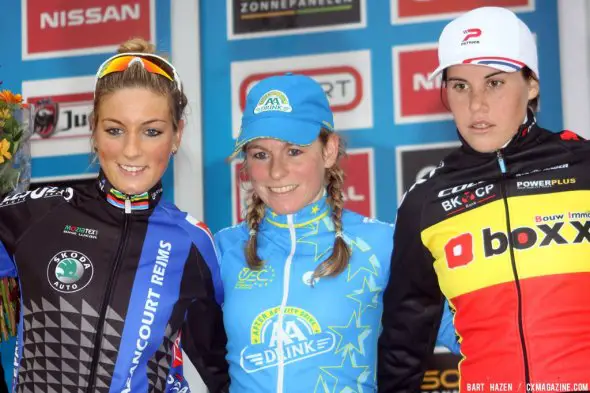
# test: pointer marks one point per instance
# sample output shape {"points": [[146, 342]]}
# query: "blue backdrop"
{"points": [[233, 52]]}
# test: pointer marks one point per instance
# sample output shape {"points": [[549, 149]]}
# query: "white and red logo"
{"points": [[411, 11], [417, 97], [470, 34], [459, 250], [358, 190], [53, 28], [345, 77], [62, 115], [177, 359]]}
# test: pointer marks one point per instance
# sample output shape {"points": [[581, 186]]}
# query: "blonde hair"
{"points": [[136, 76], [341, 252]]}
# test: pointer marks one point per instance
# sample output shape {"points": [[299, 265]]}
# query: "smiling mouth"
{"points": [[132, 169], [282, 190], [481, 126]]}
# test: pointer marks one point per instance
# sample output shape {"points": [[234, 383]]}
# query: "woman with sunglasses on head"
{"points": [[116, 281], [501, 227]]}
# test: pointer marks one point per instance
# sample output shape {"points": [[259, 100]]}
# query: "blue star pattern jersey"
{"points": [[289, 334]]}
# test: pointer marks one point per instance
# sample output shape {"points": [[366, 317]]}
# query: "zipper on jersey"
{"points": [[280, 333], [107, 297], [504, 195]]}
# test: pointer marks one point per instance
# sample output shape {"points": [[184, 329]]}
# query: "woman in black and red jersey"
{"points": [[501, 227]]}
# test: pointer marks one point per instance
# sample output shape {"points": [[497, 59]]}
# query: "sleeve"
{"points": [[15, 219], [203, 335], [7, 267], [412, 306], [447, 337]]}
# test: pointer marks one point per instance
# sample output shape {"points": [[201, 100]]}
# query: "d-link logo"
{"points": [[302, 339]]}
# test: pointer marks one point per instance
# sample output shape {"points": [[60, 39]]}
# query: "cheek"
{"points": [[256, 172]]}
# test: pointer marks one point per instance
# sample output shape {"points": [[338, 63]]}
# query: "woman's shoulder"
{"points": [[366, 227], [231, 236]]}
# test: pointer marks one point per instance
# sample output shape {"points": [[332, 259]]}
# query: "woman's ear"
{"points": [[533, 88]]}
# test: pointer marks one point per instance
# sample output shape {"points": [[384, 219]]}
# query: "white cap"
{"points": [[490, 36]]}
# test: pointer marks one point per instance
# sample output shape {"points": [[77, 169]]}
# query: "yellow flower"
{"points": [[4, 153], [10, 98], [5, 114]]}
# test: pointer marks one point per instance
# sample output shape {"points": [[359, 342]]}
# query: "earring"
{"points": [[174, 151]]}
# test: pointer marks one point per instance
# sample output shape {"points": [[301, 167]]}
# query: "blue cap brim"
{"points": [[294, 131]]}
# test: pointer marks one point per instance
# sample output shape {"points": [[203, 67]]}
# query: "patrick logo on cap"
{"points": [[507, 45], [470, 33]]}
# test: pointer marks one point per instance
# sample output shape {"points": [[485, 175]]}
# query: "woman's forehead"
{"points": [[473, 71]]}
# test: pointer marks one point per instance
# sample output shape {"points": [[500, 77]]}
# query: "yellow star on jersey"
{"points": [[315, 209], [314, 229], [349, 375], [367, 296], [352, 332], [372, 267]]}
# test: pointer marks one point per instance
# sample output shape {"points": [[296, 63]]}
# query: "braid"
{"points": [[254, 216], [338, 260]]}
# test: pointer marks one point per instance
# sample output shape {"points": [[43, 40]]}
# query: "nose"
{"points": [[278, 168], [132, 147], [477, 100]]}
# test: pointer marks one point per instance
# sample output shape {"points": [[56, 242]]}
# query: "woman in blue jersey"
{"points": [[303, 277]]}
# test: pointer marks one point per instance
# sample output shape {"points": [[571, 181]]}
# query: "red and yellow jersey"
{"points": [[507, 237]]}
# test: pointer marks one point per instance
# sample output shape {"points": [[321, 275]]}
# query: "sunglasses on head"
{"points": [[151, 63]]}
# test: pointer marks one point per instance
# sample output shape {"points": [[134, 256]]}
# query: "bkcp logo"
{"points": [[411, 11], [345, 77], [53, 28], [258, 18], [62, 112], [417, 97], [358, 190], [414, 162]]}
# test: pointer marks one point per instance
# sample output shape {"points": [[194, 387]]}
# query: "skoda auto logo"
{"points": [[69, 271]]}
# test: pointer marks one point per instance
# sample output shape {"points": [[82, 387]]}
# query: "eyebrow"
{"points": [[454, 78], [143, 123], [253, 145]]}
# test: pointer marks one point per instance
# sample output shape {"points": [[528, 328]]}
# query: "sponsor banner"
{"points": [[417, 98], [62, 115], [55, 28], [263, 18], [413, 162], [345, 77], [411, 11], [359, 185], [441, 374]]}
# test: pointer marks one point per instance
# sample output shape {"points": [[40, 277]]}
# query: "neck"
{"points": [[130, 202]]}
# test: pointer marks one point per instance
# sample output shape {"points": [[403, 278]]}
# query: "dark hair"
{"points": [[341, 252], [526, 73], [136, 76]]}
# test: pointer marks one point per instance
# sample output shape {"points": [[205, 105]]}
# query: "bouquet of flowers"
{"points": [[15, 174], [15, 131]]}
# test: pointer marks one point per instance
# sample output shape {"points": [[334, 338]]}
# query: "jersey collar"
{"points": [[308, 215], [144, 201]]}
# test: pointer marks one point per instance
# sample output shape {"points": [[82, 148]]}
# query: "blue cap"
{"points": [[291, 108]]}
